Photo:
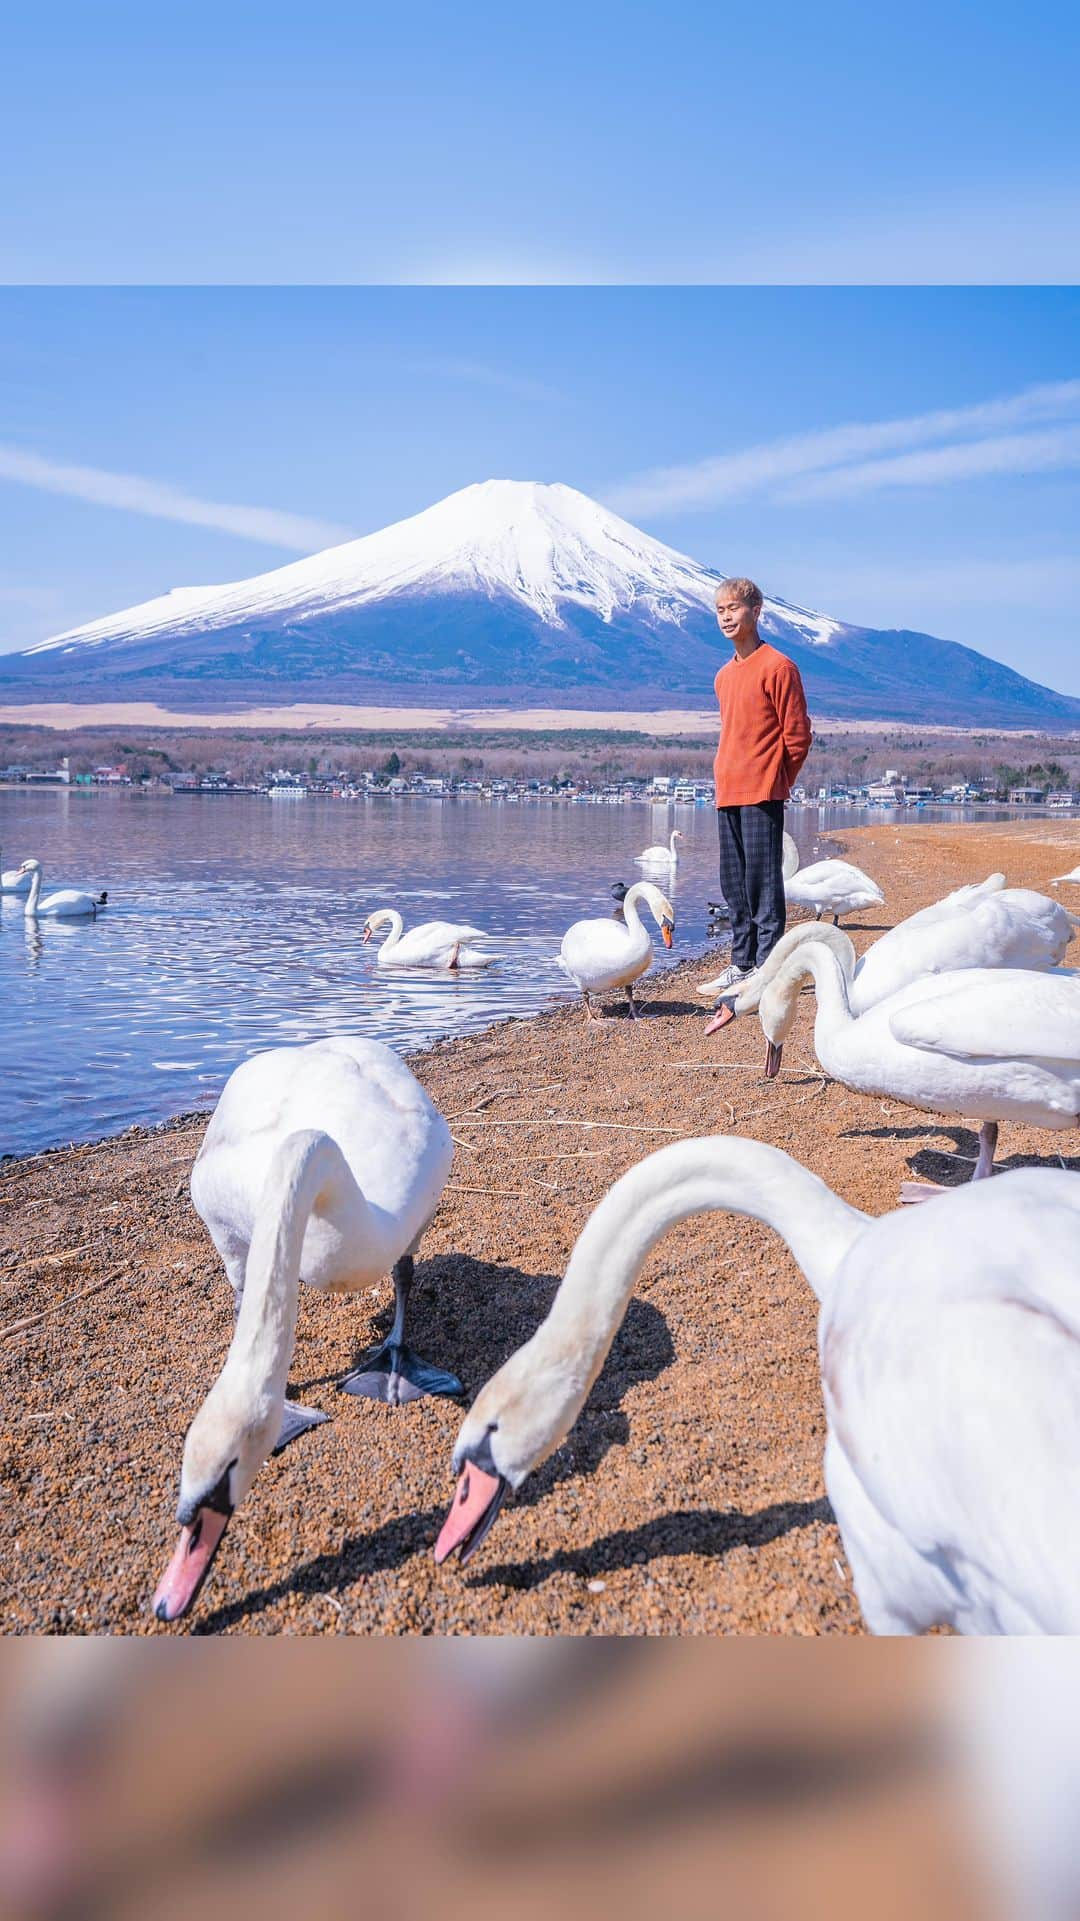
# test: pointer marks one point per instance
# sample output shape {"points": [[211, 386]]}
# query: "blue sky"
{"points": [[614, 140], [237, 428]]}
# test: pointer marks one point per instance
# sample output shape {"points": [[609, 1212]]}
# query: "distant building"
{"points": [[1027, 796], [51, 777]]}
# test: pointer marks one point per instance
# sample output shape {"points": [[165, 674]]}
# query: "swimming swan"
{"points": [[322, 1164], [435, 943], [598, 955], [69, 904], [949, 1340], [994, 1043], [660, 856], [15, 881]]}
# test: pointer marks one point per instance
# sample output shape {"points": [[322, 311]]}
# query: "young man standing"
{"points": [[764, 740]]}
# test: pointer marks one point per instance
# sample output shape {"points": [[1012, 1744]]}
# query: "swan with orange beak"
{"points": [[599, 955]]}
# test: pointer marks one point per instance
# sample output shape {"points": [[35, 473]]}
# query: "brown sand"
{"points": [[691, 1487]]}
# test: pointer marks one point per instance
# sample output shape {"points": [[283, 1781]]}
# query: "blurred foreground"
{"points": [[753, 1779]]}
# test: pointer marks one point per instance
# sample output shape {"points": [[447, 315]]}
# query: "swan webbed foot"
{"points": [[912, 1191], [295, 1420], [394, 1373]]}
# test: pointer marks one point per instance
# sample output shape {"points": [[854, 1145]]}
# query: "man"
{"points": [[764, 740]]}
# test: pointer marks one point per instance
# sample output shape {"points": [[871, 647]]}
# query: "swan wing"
{"points": [[996, 1013], [960, 901]]}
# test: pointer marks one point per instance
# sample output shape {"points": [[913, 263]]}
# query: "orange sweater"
{"points": [[764, 728]]}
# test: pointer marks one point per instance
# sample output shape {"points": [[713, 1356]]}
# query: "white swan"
{"points": [[321, 1164], [598, 955], [435, 943], [830, 886], [69, 904], [661, 856], [994, 1043], [1073, 877], [15, 881], [1012, 927], [950, 1361]]}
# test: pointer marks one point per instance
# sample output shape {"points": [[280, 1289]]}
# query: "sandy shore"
{"points": [[691, 1489]]}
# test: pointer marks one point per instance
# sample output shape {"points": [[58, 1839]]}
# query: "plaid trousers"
{"points": [[752, 878]]}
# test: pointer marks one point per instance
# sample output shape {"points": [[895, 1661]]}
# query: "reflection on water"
{"points": [[234, 924]]}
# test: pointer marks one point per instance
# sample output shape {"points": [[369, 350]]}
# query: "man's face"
{"points": [[738, 621]]}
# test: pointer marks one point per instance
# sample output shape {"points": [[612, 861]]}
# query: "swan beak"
{"points": [[668, 932], [773, 1055], [477, 1502], [180, 1585], [366, 935]]}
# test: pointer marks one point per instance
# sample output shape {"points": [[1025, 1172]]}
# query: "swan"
{"points": [[321, 1164], [660, 856], [994, 1043], [600, 954], [950, 1363], [1073, 878], [69, 904], [830, 886], [1013, 927], [15, 881], [435, 943]]}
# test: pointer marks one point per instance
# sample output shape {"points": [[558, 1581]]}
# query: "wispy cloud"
{"points": [[480, 373], [138, 495], [952, 443], [932, 466]]}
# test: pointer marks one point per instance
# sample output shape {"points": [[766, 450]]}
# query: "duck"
{"points": [[659, 855], [1070, 879], [435, 943], [830, 886], [1009, 927], [70, 903], [949, 1345], [598, 955], [322, 1164], [993, 1043], [16, 880]]}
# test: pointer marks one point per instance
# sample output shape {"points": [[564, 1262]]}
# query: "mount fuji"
{"points": [[506, 592]]}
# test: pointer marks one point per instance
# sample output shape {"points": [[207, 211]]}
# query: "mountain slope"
{"points": [[505, 591]]}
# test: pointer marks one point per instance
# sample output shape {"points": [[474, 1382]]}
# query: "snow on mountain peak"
{"points": [[547, 546]]}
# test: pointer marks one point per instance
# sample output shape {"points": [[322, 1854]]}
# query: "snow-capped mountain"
{"points": [[503, 591]]}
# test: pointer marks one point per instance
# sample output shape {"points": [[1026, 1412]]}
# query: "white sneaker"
{"points": [[731, 977]]}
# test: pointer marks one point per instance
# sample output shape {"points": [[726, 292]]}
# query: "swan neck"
{"points": [[34, 895], [304, 1168], [630, 909], [397, 926], [719, 1174], [831, 985]]}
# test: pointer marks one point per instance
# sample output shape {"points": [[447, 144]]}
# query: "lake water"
{"points": [[234, 924]]}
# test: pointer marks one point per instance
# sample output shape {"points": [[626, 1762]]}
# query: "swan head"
{"points": [[382, 917], [226, 1446], [516, 1421], [777, 1014], [659, 905], [30, 867]]}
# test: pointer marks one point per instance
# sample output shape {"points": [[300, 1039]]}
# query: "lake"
{"points": [[234, 924]]}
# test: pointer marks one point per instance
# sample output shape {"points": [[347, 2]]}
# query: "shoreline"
{"points": [[689, 1497]]}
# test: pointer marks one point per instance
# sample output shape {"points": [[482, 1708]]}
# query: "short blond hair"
{"points": [[745, 590]]}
